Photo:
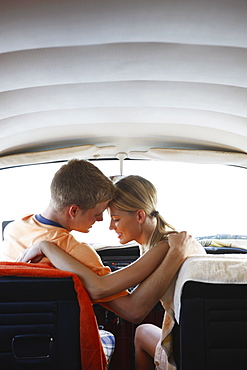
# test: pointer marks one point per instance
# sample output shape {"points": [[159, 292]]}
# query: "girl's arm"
{"points": [[99, 286]]}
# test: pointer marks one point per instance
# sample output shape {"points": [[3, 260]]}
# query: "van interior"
{"points": [[156, 88]]}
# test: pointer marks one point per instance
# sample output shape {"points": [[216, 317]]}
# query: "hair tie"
{"points": [[154, 213]]}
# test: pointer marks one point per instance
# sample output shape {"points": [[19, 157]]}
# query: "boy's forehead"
{"points": [[100, 207]]}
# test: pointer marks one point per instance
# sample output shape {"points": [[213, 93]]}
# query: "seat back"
{"points": [[4, 224], [39, 324], [213, 327]]}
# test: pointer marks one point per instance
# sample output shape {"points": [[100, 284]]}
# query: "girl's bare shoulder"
{"points": [[162, 244]]}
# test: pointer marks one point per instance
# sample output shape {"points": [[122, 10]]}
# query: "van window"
{"points": [[205, 200]]}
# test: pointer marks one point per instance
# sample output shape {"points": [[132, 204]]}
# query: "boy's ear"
{"points": [[141, 216], [73, 209]]}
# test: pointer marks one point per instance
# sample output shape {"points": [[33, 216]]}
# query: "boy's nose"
{"points": [[99, 218]]}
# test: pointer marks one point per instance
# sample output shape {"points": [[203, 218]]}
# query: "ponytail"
{"points": [[162, 230]]}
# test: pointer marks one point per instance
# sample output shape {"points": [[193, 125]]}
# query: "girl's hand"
{"points": [[32, 254]]}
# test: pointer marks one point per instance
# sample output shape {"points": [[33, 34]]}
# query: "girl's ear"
{"points": [[141, 216]]}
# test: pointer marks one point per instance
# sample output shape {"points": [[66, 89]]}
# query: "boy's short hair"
{"points": [[80, 182]]}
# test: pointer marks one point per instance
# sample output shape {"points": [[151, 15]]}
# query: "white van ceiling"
{"points": [[111, 76]]}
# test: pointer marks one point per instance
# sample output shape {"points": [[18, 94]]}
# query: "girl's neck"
{"points": [[146, 236]]}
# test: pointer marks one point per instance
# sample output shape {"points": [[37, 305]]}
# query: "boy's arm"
{"points": [[99, 286]]}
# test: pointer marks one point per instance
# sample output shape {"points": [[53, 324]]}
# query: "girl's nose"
{"points": [[112, 225]]}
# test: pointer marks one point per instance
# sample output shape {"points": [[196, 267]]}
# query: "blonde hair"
{"points": [[134, 193], [80, 182]]}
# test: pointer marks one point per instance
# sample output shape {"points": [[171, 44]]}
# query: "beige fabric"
{"points": [[160, 358], [81, 151], [93, 151], [233, 243], [193, 156], [168, 322], [224, 269], [215, 269]]}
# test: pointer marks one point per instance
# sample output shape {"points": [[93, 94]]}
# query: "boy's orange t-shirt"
{"points": [[23, 233]]}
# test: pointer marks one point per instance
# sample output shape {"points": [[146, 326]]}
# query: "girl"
{"points": [[137, 196]]}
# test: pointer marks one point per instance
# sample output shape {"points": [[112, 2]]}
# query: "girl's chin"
{"points": [[121, 240]]}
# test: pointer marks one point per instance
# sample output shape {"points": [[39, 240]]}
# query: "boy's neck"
{"points": [[55, 216]]}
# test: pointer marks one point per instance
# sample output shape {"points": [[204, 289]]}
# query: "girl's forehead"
{"points": [[117, 212], [114, 211]]}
